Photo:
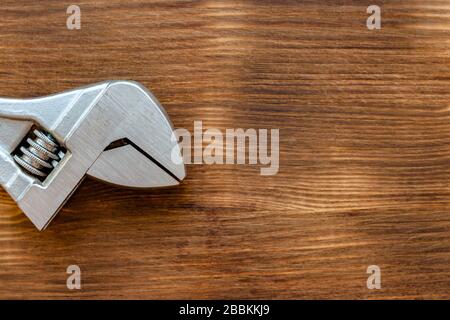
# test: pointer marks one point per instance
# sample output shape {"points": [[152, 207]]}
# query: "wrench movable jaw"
{"points": [[85, 125]]}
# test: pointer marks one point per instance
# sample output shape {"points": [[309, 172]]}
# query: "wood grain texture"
{"points": [[364, 125]]}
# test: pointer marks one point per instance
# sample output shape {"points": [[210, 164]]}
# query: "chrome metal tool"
{"points": [[115, 131]]}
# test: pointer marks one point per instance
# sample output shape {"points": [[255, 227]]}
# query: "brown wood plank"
{"points": [[364, 125]]}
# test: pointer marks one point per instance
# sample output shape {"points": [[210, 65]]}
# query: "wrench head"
{"points": [[115, 131]]}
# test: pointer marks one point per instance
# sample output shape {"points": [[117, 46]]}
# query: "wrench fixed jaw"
{"points": [[85, 126], [148, 155]]}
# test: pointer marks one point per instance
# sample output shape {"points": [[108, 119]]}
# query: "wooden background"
{"points": [[364, 176]]}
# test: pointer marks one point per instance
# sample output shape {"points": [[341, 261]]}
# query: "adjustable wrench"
{"points": [[114, 131]]}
